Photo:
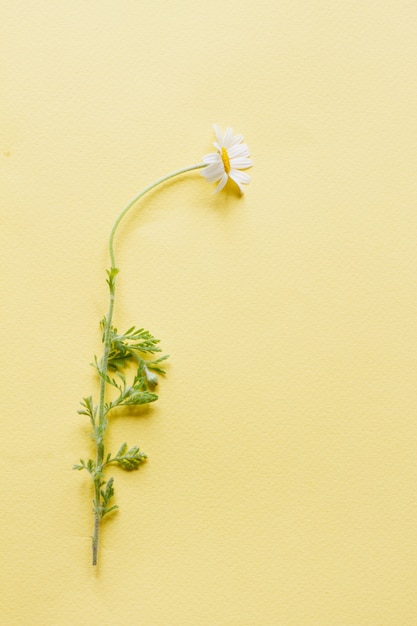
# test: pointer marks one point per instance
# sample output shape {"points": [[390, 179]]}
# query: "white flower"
{"points": [[231, 157]]}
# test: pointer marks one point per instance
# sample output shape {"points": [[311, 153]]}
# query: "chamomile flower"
{"points": [[228, 162]]}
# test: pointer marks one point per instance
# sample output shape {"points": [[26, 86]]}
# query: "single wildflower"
{"points": [[231, 157], [229, 160]]}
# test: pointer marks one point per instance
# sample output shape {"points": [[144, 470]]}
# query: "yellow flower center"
{"points": [[225, 159]]}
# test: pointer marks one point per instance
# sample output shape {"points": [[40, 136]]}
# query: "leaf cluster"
{"points": [[124, 348], [106, 495], [135, 393], [132, 345], [135, 346], [127, 458]]}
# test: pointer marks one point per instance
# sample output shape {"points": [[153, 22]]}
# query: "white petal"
{"points": [[236, 139], [215, 167], [228, 138], [237, 175], [240, 163], [213, 157], [213, 179], [212, 173], [239, 150], [221, 183], [233, 177], [218, 135]]}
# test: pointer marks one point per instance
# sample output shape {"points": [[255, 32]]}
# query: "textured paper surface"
{"points": [[281, 482]]}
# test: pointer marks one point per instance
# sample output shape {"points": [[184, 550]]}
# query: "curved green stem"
{"points": [[100, 427], [140, 195]]}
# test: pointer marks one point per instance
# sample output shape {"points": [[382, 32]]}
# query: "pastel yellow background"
{"points": [[281, 483]]}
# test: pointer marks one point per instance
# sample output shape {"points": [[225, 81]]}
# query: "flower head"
{"points": [[231, 157]]}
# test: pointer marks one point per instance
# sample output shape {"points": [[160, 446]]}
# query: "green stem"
{"points": [[97, 519], [101, 426], [142, 193]]}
